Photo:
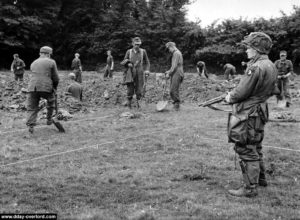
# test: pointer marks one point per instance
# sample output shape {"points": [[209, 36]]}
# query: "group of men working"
{"points": [[283, 66], [250, 109]]}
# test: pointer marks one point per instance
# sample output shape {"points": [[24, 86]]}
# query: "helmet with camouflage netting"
{"points": [[259, 41]]}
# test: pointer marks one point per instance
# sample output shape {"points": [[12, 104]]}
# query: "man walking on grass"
{"points": [[43, 81]]}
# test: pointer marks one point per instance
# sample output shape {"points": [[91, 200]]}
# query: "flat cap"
{"points": [[170, 44], [136, 40], [72, 75], [77, 54], [46, 49]]}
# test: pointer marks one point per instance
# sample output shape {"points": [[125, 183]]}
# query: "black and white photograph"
{"points": [[150, 109]]}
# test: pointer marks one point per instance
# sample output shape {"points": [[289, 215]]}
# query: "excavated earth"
{"points": [[108, 93]]}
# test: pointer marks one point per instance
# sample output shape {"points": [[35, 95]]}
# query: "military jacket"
{"points": [[284, 67], [43, 75], [256, 86]]}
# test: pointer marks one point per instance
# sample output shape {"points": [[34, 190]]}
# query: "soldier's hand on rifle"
{"points": [[279, 77], [147, 73], [129, 64], [227, 97]]}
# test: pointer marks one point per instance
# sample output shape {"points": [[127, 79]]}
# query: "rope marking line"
{"points": [[84, 148], [122, 139]]}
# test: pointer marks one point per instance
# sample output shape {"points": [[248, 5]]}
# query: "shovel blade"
{"points": [[161, 105], [58, 125]]}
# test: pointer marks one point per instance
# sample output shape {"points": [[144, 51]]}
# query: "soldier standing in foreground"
{"points": [[77, 68], [43, 80], [18, 68], [285, 69], [250, 112], [175, 73], [109, 65], [137, 56]]}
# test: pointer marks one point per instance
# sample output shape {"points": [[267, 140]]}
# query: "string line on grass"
{"points": [[86, 147], [124, 139]]}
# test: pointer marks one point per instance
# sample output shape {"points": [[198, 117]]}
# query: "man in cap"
{"points": [[230, 71], [137, 56], [77, 68], [74, 89], [285, 70], [43, 81], [109, 65], [18, 68], [250, 112], [201, 69], [175, 73]]}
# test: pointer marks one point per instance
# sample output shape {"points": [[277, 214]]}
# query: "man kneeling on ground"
{"points": [[74, 89]]}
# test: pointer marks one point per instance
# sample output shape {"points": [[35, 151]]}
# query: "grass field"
{"points": [[168, 165]]}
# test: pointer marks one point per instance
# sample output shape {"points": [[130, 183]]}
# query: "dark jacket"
{"points": [[43, 76]]}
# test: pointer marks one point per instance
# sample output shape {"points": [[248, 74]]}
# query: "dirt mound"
{"points": [[108, 93]]}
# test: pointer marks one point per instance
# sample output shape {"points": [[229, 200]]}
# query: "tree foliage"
{"points": [[93, 26]]}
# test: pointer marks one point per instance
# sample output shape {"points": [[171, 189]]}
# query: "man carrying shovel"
{"points": [[285, 69], [43, 81]]}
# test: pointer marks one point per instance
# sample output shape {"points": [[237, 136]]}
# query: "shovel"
{"points": [[55, 121], [281, 103], [161, 105]]}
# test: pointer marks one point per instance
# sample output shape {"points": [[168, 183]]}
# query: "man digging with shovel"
{"points": [[175, 73], [43, 81]]}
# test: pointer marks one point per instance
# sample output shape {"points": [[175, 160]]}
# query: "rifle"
{"points": [[212, 101]]}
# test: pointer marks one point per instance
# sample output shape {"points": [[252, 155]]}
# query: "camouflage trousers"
{"points": [[33, 100]]}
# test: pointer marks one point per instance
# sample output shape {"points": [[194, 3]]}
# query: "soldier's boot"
{"points": [[262, 181], [137, 104], [250, 172], [49, 116]]}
